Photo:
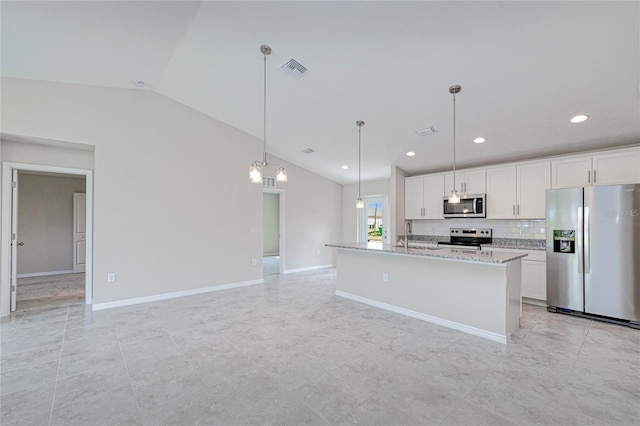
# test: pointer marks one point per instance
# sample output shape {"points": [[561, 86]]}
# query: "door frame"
{"points": [[5, 251], [281, 240], [362, 217]]}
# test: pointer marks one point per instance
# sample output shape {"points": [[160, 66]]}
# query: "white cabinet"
{"points": [[607, 168], [472, 181], [518, 192], [433, 192], [618, 167], [533, 274], [414, 198], [533, 180], [423, 197]]}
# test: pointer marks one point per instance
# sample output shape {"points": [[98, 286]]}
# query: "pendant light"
{"points": [[359, 202], [255, 171], [454, 197]]}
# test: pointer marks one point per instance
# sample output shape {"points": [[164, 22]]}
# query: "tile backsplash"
{"points": [[526, 229]]}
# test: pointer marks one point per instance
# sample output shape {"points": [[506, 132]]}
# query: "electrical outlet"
{"points": [[254, 262], [253, 231], [385, 278], [318, 252], [111, 277]]}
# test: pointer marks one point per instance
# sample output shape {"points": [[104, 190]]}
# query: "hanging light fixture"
{"points": [[454, 197], [359, 202], [255, 170]]}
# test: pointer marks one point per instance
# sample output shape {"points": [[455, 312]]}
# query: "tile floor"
{"points": [[49, 291], [290, 352]]}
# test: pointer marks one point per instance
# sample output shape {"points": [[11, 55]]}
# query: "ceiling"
{"points": [[525, 69]]}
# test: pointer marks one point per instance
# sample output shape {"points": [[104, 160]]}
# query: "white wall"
{"points": [[45, 222], [349, 211], [271, 224], [157, 233], [22, 150]]}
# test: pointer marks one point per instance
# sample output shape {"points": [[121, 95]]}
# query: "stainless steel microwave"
{"points": [[470, 205]]}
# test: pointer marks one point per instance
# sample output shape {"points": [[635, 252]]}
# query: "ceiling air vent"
{"points": [[427, 131], [308, 151], [294, 68], [268, 181]]}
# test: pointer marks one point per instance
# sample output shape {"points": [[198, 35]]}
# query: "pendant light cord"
{"points": [[454, 141], [264, 135], [359, 157]]}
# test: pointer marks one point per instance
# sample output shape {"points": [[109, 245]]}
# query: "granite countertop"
{"points": [[482, 256], [509, 243]]}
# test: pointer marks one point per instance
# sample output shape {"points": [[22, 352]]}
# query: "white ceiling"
{"points": [[525, 69]]}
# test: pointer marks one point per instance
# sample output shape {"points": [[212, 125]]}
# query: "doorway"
{"points": [[373, 221], [272, 231], [13, 243], [51, 239]]}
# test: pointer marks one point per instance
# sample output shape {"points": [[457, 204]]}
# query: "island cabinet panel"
{"points": [[518, 192], [414, 198], [477, 297], [606, 168]]}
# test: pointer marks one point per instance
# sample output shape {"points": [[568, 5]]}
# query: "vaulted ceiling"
{"points": [[525, 69]]}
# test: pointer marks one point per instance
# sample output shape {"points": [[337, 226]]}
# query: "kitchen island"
{"points": [[475, 291]]}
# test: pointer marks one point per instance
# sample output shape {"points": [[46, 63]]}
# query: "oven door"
{"points": [[469, 206]]}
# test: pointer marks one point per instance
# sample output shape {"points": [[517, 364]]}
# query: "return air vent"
{"points": [[308, 151], [294, 68]]}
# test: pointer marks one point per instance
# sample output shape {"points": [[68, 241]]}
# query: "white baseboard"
{"points": [[43, 274], [308, 268], [173, 295], [424, 317], [535, 302]]}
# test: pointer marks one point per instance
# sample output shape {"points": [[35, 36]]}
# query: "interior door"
{"points": [[14, 238], [79, 231]]}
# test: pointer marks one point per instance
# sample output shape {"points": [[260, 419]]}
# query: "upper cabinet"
{"points": [[434, 190], [423, 197], [518, 192], [607, 168], [414, 198], [472, 181]]}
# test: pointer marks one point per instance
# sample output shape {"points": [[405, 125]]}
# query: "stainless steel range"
{"points": [[468, 238]]}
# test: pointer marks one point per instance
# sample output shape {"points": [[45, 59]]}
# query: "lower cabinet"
{"points": [[534, 275]]}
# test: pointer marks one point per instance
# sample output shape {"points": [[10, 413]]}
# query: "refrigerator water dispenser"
{"points": [[564, 241]]}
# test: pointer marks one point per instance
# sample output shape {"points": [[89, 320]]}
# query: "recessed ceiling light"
{"points": [[480, 140], [579, 118], [411, 154], [344, 166], [427, 131]]}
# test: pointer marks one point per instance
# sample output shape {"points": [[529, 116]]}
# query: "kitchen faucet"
{"points": [[407, 231]]}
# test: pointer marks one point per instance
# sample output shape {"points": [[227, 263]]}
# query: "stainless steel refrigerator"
{"points": [[593, 252]]}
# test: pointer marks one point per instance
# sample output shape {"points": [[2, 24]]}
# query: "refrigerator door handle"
{"points": [[587, 245], [579, 240]]}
